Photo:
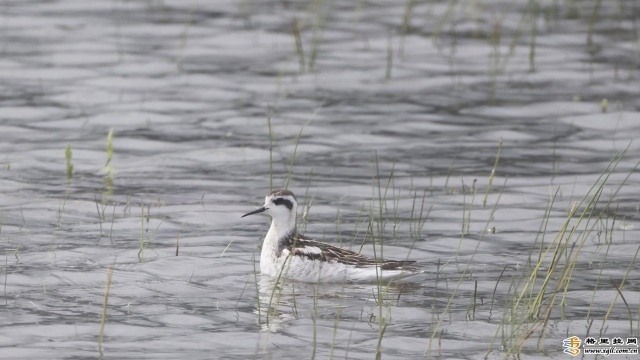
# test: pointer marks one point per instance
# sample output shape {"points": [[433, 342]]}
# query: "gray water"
{"points": [[419, 92]]}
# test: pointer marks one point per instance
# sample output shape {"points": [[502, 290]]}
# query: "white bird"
{"points": [[285, 253]]}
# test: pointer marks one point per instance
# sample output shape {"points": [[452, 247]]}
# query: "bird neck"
{"points": [[277, 240], [285, 228]]}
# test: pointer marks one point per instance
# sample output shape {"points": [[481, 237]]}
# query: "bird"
{"points": [[286, 253]]}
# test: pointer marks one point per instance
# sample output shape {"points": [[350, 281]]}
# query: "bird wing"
{"points": [[316, 250]]}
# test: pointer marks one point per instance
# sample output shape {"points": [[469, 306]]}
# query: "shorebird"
{"points": [[286, 253]]}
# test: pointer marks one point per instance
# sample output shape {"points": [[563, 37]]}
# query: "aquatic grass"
{"points": [[141, 250], [496, 34], [592, 22], [514, 42], [100, 217], [60, 212], [306, 190], [493, 173], [534, 32], [602, 265], [275, 291], [271, 138], [108, 170], [465, 272], [145, 244], [293, 158], [446, 17], [104, 309], [466, 220], [255, 278], [338, 317], [406, 25], [184, 35], [509, 325], [281, 72], [298, 43], [127, 207], [235, 307], [387, 75], [297, 142], [319, 25], [434, 304], [494, 65], [277, 285], [226, 247], [585, 235], [626, 304], [113, 219], [67, 155], [314, 317], [532, 303], [505, 321], [294, 308], [395, 199], [450, 170], [24, 223], [6, 276], [417, 223], [382, 289], [337, 222], [619, 292], [306, 210], [495, 289], [177, 243], [383, 197], [286, 263], [471, 306], [117, 34], [357, 227]]}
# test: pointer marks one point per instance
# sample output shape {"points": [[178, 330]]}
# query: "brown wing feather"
{"points": [[302, 245]]}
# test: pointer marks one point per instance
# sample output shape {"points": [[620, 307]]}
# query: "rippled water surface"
{"points": [[399, 105]]}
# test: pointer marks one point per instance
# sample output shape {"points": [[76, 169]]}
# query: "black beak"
{"points": [[262, 209]]}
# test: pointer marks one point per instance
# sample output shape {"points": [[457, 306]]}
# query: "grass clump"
{"points": [[108, 169], [539, 294]]}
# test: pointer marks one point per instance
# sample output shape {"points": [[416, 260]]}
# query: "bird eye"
{"points": [[278, 201]]}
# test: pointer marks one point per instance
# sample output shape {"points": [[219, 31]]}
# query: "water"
{"points": [[188, 89]]}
